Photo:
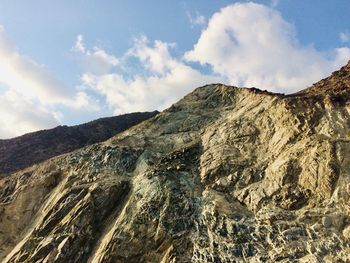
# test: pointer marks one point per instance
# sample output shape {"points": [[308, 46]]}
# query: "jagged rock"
{"points": [[225, 175]]}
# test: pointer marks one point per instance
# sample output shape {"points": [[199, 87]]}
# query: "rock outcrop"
{"points": [[26, 150], [225, 175]]}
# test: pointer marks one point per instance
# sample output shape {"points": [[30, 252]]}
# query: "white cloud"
{"points": [[344, 37], [26, 77], [31, 93], [244, 44], [196, 20], [162, 79], [252, 45], [79, 44], [95, 60], [83, 101], [20, 115]]}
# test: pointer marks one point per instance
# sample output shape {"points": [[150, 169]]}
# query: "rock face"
{"points": [[225, 175], [31, 148]]}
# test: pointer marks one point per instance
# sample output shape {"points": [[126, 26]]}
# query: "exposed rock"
{"points": [[225, 175]]}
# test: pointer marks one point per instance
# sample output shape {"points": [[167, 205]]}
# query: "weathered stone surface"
{"points": [[224, 175]]}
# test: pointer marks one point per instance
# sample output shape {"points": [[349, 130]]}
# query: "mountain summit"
{"points": [[224, 175]]}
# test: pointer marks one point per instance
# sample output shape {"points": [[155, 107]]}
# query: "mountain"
{"points": [[224, 175], [31, 148]]}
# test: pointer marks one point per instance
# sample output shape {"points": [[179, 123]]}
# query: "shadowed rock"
{"points": [[32, 148]]}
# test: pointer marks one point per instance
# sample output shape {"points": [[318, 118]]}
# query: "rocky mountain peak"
{"points": [[224, 175]]}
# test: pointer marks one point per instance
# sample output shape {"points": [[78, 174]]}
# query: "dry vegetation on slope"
{"points": [[24, 151]]}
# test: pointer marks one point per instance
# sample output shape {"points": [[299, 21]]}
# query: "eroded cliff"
{"points": [[225, 175]]}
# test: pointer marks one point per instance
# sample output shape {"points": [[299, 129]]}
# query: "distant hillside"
{"points": [[31, 148]]}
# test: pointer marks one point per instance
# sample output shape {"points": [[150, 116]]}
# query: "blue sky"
{"points": [[67, 62]]}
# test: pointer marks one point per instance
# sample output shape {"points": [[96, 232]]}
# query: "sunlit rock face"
{"points": [[225, 175]]}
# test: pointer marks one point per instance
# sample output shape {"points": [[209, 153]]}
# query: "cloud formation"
{"points": [[196, 20], [252, 45], [344, 37], [160, 81], [97, 60], [20, 115], [31, 92], [244, 44], [26, 77], [275, 3]]}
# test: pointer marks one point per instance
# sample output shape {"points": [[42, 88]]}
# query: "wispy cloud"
{"points": [[26, 77], [162, 79], [275, 3], [31, 93], [96, 59], [344, 37], [197, 19]]}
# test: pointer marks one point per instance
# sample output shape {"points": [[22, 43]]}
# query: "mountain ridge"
{"points": [[31, 148], [338, 83], [225, 174]]}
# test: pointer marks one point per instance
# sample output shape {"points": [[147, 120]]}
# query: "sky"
{"points": [[68, 62]]}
